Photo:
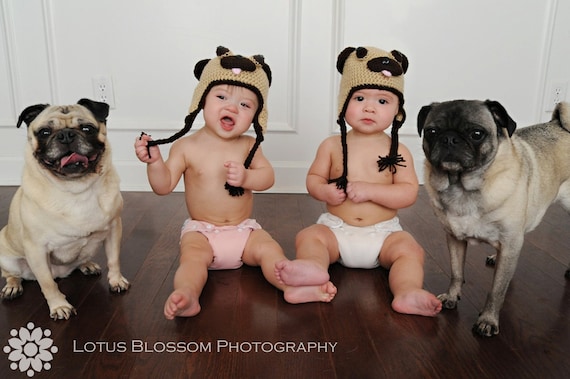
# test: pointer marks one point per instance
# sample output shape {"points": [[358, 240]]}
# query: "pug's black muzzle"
{"points": [[70, 153], [450, 151]]}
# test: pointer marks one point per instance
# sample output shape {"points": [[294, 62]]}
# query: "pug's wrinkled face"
{"points": [[458, 136], [67, 140]]}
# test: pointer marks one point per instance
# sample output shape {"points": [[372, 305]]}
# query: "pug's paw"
{"points": [[12, 289]]}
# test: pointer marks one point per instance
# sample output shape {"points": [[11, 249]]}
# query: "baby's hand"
{"points": [[142, 151], [334, 195], [235, 173], [357, 192]]}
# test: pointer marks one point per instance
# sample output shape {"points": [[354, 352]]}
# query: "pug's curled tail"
{"points": [[562, 114]]}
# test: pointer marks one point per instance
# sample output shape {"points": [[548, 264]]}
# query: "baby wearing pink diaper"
{"points": [[227, 242], [221, 167]]}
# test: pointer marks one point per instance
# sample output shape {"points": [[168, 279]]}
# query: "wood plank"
{"points": [[246, 329]]}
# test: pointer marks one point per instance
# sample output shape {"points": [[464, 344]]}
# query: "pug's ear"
{"points": [[501, 117], [30, 113], [422, 116], [100, 110]]}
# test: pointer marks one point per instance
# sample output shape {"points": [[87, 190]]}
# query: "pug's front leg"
{"points": [[457, 251], [487, 324], [117, 282], [59, 307]]}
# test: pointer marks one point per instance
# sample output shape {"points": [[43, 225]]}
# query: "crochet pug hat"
{"points": [[370, 67], [226, 68]]}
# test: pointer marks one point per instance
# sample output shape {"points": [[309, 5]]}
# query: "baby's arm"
{"points": [[318, 177], [401, 193], [162, 176], [259, 177]]}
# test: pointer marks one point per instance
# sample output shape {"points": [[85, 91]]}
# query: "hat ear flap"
{"points": [[342, 57], [199, 68]]}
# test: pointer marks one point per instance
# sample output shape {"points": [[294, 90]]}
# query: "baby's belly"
{"points": [[363, 214]]}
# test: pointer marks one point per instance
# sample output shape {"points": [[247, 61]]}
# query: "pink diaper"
{"points": [[227, 242]]}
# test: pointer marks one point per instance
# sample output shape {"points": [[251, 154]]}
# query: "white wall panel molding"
{"points": [[10, 62], [337, 34], [543, 77], [51, 50], [295, 15]]}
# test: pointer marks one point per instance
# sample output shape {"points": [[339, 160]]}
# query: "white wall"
{"points": [[50, 50]]}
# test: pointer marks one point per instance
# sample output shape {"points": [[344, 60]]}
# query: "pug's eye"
{"points": [[43, 133], [477, 135], [88, 129], [430, 132]]}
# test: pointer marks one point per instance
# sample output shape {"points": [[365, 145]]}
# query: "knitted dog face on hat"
{"points": [[226, 68], [370, 67]]}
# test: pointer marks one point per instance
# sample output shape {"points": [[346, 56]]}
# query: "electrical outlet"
{"points": [[556, 95], [103, 90]]}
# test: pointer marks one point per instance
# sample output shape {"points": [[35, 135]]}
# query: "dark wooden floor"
{"points": [[246, 329]]}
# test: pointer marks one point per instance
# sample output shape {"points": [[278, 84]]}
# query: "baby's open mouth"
{"points": [[227, 123]]}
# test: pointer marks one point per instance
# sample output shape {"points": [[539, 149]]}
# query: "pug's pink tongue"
{"points": [[74, 158]]}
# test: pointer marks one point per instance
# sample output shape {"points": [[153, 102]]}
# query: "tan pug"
{"points": [[68, 204], [488, 182]]}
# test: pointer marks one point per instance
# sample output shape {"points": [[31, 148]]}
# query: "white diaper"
{"points": [[359, 246]]}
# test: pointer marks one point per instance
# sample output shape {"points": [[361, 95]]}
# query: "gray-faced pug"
{"points": [[488, 182], [68, 204]]}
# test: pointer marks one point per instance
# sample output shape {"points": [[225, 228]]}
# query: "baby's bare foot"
{"points": [[300, 273], [307, 294], [417, 302], [181, 304]]}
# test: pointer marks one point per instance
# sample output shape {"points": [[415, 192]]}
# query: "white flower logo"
{"points": [[30, 349]]}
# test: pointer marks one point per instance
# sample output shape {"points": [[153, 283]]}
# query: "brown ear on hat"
{"points": [[402, 59], [199, 68], [221, 50], [342, 57], [261, 60]]}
